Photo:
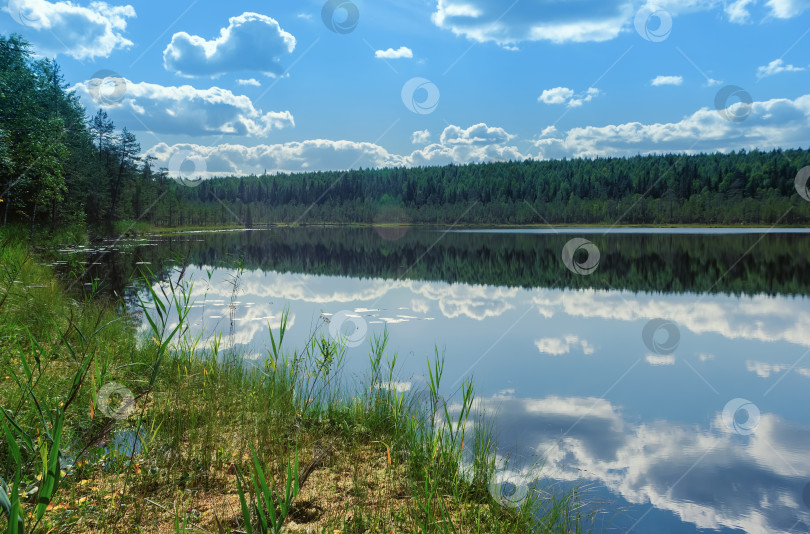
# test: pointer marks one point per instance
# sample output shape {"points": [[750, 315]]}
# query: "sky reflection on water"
{"points": [[569, 382]]}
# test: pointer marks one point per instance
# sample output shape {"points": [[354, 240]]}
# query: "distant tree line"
{"points": [[736, 188], [59, 167]]}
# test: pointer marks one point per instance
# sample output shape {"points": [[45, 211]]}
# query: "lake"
{"points": [[665, 372]]}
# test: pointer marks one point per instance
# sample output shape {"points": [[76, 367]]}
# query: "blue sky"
{"points": [[239, 87]]}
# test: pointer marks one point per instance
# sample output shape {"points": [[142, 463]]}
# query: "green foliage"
{"points": [[50, 434], [11, 507], [266, 499], [55, 169], [48, 347], [736, 188]]}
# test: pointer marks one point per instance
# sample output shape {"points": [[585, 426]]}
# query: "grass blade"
{"points": [[5, 503], [25, 365], [51, 482], [243, 503], [15, 520], [36, 349], [23, 434], [12, 444], [268, 496], [12, 506], [261, 503]]}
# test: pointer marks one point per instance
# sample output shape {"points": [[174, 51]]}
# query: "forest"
{"points": [[62, 167]]}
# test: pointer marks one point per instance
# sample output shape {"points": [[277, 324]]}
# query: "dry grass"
{"points": [[351, 478]]}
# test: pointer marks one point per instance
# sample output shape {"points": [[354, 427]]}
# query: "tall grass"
{"points": [[218, 443]]}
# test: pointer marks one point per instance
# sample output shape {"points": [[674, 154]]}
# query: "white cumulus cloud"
{"points": [[251, 42], [420, 137], [656, 360], [477, 143], [764, 370], [480, 135], [564, 21], [462, 300], [738, 12], [420, 306], [564, 95], [557, 346], [250, 81], [313, 155], [637, 460], [401, 52], [777, 66], [186, 110], [69, 29], [779, 122], [557, 21], [759, 317], [558, 95], [785, 9], [667, 80]]}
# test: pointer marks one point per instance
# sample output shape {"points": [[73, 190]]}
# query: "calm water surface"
{"points": [[698, 423]]}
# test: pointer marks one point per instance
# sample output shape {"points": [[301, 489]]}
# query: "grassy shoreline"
{"points": [[370, 458]]}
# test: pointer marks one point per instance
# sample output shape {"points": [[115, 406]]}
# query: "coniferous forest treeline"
{"points": [[59, 167]]}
